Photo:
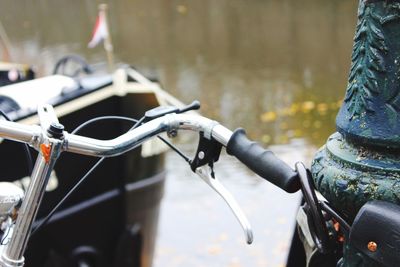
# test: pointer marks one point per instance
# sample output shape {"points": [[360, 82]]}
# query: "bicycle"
{"points": [[50, 140], [318, 224]]}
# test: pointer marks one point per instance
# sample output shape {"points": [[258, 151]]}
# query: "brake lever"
{"points": [[207, 176], [164, 110]]}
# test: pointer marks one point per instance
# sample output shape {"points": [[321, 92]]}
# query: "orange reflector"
{"points": [[372, 246], [46, 149]]}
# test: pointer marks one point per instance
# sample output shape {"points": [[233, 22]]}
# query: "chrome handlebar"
{"points": [[168, 123], [34, 136], [38, 137]]}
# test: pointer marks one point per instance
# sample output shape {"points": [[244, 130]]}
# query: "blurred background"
{"points": [[277, 68]]}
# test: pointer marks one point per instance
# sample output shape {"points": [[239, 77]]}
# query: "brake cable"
{"points": [[149, 115], [45, 220], [314, 207]]}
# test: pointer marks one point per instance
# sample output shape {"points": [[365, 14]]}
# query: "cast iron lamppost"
{"points": [[361, 161]]}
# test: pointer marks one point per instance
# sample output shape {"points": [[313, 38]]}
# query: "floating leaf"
{"points": [[266, 139], [322, 108], [182, 9], [269, 116], [317, 124], [307, 106]]}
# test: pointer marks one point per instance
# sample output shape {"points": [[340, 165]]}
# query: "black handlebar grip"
{"points": [[263, 162]]}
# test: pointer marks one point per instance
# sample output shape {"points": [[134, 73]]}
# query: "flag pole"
{"points": [[107, 41], [6, 43]]}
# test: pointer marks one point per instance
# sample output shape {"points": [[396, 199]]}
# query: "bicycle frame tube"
{"points": [[13, 255]]}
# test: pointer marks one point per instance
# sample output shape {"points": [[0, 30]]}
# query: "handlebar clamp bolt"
{"points": [[172, 133], [201, 155], [56, 130]]}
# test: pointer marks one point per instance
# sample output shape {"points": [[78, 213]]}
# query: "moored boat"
{"points": [[111, 220]]}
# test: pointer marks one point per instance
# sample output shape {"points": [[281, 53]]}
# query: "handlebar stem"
{"points": [[13, 254]]}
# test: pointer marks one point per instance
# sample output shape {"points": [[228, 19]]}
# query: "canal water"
{"points": [[277, 68]]}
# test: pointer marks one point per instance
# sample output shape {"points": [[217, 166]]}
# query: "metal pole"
{"points": [[108, 46], [361, 161], [6, 43]]}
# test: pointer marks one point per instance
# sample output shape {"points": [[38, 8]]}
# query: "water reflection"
{"points": [[241, 59]]}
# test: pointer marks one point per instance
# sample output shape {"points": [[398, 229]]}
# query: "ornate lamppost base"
{"points": [[348, 176]]}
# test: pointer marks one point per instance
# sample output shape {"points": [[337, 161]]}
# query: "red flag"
{"points": [[100, 31]]}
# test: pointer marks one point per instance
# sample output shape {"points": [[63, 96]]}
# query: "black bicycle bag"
{"points": [[376, 232]]}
